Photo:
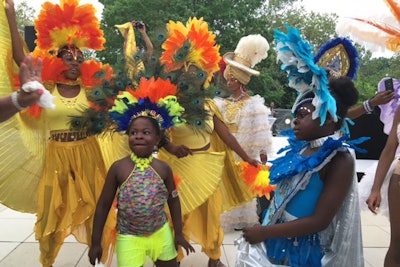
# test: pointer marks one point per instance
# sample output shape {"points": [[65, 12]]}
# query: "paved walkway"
{"points": [[19, 248]]}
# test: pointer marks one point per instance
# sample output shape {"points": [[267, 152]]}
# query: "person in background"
{"points": [[246, 116], [389, 169], [200, 152]]}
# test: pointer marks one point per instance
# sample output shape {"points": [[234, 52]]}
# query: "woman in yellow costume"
{"points": [[63, 171], [198, 151]]}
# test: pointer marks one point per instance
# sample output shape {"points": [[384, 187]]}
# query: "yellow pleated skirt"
{"points": [[72, 181]]}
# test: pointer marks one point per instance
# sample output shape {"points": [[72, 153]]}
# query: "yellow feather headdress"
{"points": [[68, 24]]}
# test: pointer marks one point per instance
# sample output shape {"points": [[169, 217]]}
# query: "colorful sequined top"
{"points": [[141, 201]]}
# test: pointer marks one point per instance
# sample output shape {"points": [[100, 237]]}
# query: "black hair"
{"points": [[345, 94], [152, 120]]}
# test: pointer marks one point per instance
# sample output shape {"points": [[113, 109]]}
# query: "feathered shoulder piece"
{"points": [[68, 24], [340, 56], [304, 75], [376, 33]]}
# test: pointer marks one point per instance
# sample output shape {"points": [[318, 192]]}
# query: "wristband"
{"points": [[368, 106], [14, 100]]}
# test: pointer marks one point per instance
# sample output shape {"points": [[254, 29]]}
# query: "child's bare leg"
{"points": [[170, 263]]}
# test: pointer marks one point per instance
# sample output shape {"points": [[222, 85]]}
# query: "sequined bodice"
{"points": [[141, 203]]}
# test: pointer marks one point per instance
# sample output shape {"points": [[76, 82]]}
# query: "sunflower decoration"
{"points": [[257, 179]]}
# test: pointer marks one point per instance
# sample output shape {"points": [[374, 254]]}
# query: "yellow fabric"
{"points": [[59, 118], [21, 152], [130, 49], [203, 224], [68, 192], [132, 250], [199, 174], [192, 138], [234, 190], [113, 146]]}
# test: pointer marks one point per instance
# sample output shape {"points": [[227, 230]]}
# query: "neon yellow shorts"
{"points": [[132, 250]]}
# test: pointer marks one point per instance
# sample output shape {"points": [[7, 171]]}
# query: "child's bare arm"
{"points": [[102, 208], [337, 181]]}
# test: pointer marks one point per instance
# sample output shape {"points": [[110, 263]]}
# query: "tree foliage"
{"points": [[25, 15], [230, 20]]}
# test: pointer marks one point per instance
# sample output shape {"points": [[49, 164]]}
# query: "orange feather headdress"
{"points": [[68, 24], [71, 25], [190, 44]]}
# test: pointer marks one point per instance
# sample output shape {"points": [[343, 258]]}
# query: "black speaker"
{"points": [[30, 37], [369, 125]]}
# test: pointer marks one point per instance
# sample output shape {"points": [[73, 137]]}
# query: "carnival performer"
{"points": [[63, 171], [198, 151], [376, 33], [314, 217], [246, 116], [12, 104], [144, 184]]}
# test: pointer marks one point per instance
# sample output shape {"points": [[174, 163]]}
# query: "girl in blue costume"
{"points": [[314, 217]]}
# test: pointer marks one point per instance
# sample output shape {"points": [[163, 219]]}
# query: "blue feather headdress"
{"points": [[304, 75], [154, 98], [339, 55]]}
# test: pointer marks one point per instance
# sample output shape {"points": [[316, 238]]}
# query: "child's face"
{"points": [[143, 136], [305, 128]]}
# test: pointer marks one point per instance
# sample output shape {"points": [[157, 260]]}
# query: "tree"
{"points": [[25, 15]]}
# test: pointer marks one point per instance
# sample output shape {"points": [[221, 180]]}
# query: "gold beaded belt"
{"points": [[67, 136]]}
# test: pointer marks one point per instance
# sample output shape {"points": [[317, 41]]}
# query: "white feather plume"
{"points": [[252, 48]]}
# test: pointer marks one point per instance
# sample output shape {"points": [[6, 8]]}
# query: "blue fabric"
{"points": [[304, 202], [302, 251]]}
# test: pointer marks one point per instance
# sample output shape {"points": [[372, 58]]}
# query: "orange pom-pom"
{"points": [[257, 178], [177, 181]]}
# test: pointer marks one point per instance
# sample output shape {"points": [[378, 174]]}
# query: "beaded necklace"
{"points": [[141, 163]]}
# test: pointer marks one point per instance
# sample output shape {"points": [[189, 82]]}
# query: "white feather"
{"points": [[253, 48]]}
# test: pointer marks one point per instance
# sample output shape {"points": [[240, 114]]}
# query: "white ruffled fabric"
{"points": [[254, 131], [254, 135]]}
